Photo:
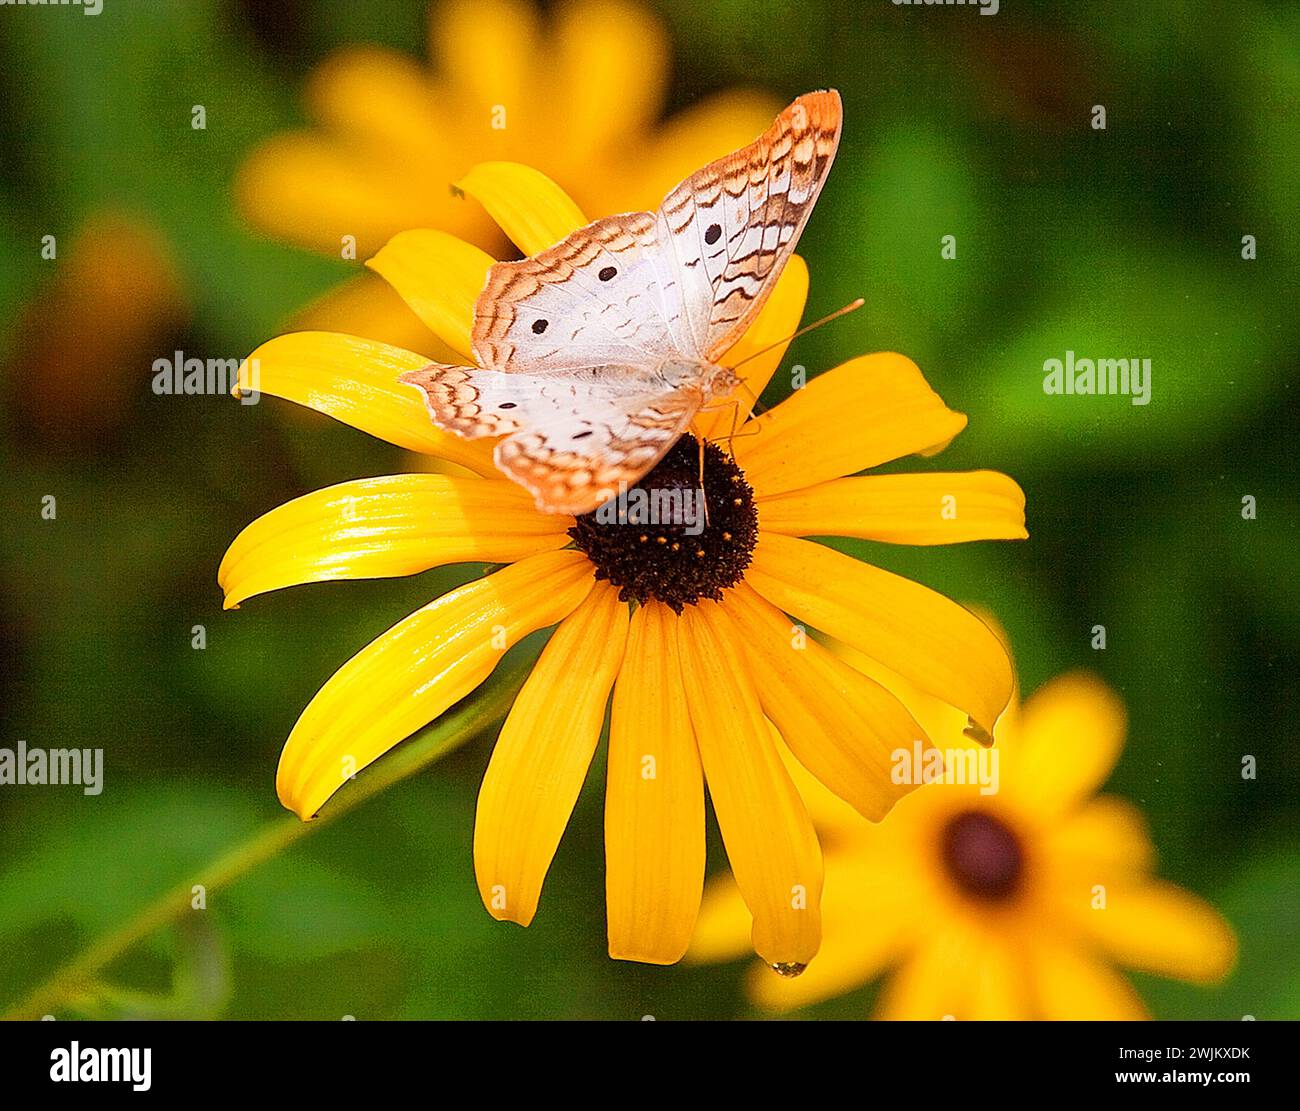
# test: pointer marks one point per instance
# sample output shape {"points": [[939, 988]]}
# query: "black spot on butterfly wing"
{"points": [[711, 236], [606, 273], [539, 326]]}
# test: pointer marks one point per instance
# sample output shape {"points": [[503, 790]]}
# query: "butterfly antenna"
{"points": [[852, 306]]}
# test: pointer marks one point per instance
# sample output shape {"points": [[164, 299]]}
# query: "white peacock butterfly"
{"points": [[595, 354]]}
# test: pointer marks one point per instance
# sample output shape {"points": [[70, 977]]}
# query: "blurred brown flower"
{"points": [[84, 345]]}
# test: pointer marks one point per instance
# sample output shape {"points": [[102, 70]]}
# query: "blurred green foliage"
{"points": [[1115, 242]]}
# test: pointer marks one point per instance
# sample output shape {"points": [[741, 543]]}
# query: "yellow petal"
{"points": [[530, 208], [925, 987], [928, 639], [832, 817], [380, 100], [380, 527], [408, 676], [943, 724], [1070, 984], [487, 50], [1158, 927], [439, 277], [995, 983], [1068, 736], [860, 414], [777, 320], [903, 508], [654, 800], [842, 726], [1100, 839], [610, 66], [313, 190], [963, 971], [367, 306], [355, 381], [770, 841], [541, 757]]}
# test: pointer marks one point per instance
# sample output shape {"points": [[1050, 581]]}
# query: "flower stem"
{"points": [[453, 729]]}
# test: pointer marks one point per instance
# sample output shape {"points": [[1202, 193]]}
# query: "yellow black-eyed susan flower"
{"points": [[1011, 903], [698, 639]]}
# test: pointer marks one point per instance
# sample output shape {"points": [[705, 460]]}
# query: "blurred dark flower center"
{"points": [[982, 855], [658, 540]]}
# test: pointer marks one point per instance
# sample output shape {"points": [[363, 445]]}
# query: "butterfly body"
{"points": [[595, 354], [708, 378]]}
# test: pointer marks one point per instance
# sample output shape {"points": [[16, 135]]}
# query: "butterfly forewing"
{"points": [[732, 226], [591, 301]]}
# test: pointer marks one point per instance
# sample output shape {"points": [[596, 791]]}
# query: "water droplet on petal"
{"points": [[788, 970]]}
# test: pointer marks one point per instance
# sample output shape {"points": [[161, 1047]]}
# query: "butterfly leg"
{"points": [[703, 496], [733, 434]]}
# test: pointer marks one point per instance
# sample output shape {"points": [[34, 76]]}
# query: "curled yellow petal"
{"points": [[541, 757], [654, 800], [842, 726], [381, 527], [903, 508], [439, 277], [408, 676], [355, 381], [928, 639], [529, 207], [860, 414], [770, 841], [776, 322]]}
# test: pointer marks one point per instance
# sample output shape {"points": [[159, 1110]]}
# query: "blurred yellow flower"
{"points": [[580, 97], [1007, 903], [697, 666]]}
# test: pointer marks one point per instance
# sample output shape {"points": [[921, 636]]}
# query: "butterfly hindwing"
{"points": [[575, 469], [570, 440]]}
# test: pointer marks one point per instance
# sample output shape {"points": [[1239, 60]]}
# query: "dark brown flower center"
{"points": [[668, 539], [982, 855]]}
